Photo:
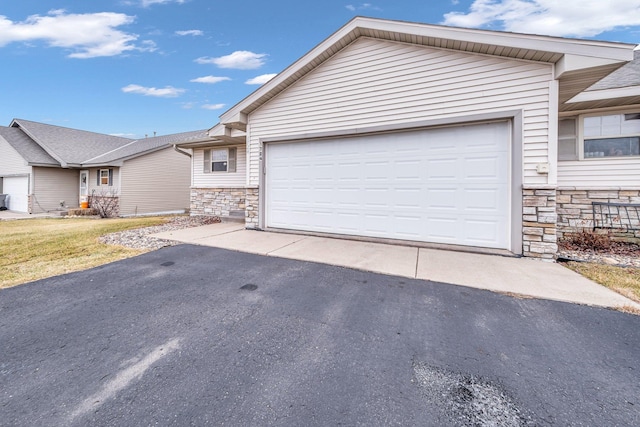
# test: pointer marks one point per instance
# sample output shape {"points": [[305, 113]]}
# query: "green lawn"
{"points": [[34, 249]]}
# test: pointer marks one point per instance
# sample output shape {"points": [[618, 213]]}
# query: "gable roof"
{"points": [[49, 145], [144, 146], [69, 147], [26, 147], [578, 63]]}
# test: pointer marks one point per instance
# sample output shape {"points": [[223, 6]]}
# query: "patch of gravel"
{"points": [[140, 238]]}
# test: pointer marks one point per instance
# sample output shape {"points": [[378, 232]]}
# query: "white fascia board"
{"points": [[218, 129], [235, 113], [599, 95], [604, 49], [616, 52], [50, 152], [571, 62], [226, 133]]}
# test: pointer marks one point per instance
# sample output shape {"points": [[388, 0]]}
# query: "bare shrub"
{"points": [[105, 202], [588, 240]]}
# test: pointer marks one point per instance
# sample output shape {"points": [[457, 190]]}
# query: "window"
{"points": [[615, 135], [105, 177], [567, 139], [220, 160]]}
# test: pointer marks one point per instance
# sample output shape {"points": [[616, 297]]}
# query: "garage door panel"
{"points": [[17, 189], [482, 233], [447, 185]]}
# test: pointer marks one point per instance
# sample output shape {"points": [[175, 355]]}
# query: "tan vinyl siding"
{"points": [[93, 186], [51, 186], [235, 179], [600, 173], [155, 182], [376, 83], [11, 163]]}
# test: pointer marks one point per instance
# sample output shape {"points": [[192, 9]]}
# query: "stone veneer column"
{"points": [[253, 205], [539, 218]]}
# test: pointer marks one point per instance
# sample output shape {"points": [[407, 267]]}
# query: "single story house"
{"points": [[45, 168], [425, 133]]}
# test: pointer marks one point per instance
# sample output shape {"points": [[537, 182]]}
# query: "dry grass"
{"points": [[624, 280], [38, 248]]}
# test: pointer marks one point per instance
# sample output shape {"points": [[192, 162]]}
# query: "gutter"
{"points": [[175, 147]]}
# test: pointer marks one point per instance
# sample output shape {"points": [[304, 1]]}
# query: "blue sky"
{"points": [[135, 67]]}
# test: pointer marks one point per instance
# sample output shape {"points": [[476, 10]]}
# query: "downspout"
{"points": [[175, 147]]}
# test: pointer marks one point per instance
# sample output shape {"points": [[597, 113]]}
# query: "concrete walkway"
{"points": [[518, 276], [10, 215]]}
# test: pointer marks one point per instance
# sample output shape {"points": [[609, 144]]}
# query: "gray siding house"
{"points": [[45, 168], [430, 134]]}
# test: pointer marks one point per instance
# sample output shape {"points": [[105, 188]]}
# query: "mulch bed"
{"points": [[600, 248]]}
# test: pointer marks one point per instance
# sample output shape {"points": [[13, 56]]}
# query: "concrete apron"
{"points": [[517, 276]]}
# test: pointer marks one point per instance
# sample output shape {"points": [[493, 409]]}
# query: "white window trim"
{"points": [[581, 139], [580, 134], [232, 160], [108, 184]]}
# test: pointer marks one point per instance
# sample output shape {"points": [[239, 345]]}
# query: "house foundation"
{"points": [[576, 214], [222, 202]]}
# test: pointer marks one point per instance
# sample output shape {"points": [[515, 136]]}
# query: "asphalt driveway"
{"points": [[192, 335]]}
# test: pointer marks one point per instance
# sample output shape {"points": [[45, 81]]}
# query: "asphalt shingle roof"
{"points": [[625, 76], [26, 147], [146, 145], [70, 145]]}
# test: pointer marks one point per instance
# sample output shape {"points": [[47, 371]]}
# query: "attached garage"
{"points": [[446, 185], [17, 190], [415, 132]]}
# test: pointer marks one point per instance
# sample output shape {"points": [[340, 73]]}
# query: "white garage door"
{"points": [[444, 185], [17, 189]]}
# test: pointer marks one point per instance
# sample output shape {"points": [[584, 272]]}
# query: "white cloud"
{"points": [[147, 3], [362, 6], [89, 35], [190, 33], [239, 60], [165, 92], [260, 79], [581, 18], [213, 106], [209, 79]]}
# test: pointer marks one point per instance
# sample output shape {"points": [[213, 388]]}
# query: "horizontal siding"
{"points": [[11, 163], [599, 173], [220, 179], [51, 186], [93, 176], [156, 182], [375, 83]]}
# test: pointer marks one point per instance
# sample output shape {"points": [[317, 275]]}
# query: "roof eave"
{"points": [[16, 123], [579, 53]]}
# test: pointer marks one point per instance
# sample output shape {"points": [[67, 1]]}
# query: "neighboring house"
{"points": [[426, 133], [45, 168]]}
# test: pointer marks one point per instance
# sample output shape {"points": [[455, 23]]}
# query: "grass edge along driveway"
{"points": [[33, 249]]}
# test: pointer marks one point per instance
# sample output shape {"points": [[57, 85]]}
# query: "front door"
{"points": [[84, 185]]}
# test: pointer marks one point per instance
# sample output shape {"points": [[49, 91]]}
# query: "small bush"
{"points": [[105, 202], [588, 239]]}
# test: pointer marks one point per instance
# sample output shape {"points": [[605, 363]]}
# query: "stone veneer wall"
{"points": [[575, 209], [539, 218], [217, 201], [253, 197]]}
